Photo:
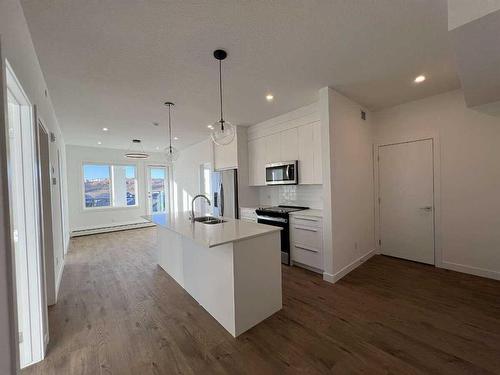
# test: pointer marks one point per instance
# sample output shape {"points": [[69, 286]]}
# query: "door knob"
{"points": [[426, 208]]}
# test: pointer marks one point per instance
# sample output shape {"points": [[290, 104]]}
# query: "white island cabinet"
{"points": [[232, 269]]}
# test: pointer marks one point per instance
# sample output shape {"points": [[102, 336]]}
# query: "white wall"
{"points": [[470, 178], [351, 185], [17, 48], [80, 218], [186, 181]]}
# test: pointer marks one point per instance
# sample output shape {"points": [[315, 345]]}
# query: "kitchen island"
{"points": [[232, 269]]}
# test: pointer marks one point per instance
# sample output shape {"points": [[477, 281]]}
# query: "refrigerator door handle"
{"points": [[221, 199]]}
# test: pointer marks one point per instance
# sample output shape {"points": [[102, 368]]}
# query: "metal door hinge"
{"points": [[380, 242]]}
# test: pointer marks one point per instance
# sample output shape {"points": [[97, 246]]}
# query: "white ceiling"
{"points": [[113, 63]]}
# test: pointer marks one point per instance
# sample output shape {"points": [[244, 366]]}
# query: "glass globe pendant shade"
{"points": [[222, 133], [171, 154]]}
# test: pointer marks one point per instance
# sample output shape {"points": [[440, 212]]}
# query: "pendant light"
{"points": [[139, 154], [171, 153], [222, 131]]}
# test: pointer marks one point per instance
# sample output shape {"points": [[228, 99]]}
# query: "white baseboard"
{"points": [[333, 278], [110, 228], [309, 268], [471, 270]]}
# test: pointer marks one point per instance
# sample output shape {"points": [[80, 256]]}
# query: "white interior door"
{"points": [[157, 189], [406, 192]]}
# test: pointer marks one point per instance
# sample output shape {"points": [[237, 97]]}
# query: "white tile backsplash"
{"points": [[294, 195]]}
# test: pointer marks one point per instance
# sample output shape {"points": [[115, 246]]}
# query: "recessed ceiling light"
{"points": [[105, 129], [99, 142], [176, 138], [157, 147], [269, 97], [210, 126], [419, 79]]}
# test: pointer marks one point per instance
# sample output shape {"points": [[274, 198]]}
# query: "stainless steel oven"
{"points": [[282, 173]]}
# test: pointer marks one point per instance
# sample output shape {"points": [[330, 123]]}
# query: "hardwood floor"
{"points": [[119, 313]]}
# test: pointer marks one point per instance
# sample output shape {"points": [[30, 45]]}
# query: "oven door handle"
{"points": [[270, 218]]}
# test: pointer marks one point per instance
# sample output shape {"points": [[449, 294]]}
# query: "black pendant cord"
{"points": [[220, 94], [169, 129]]}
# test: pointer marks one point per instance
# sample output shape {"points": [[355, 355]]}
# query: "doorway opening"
{"points": [[25, 224]]}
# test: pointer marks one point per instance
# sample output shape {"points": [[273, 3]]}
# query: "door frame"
{"points": [[168, 195], [45, 223], [36, 285], [9, 355], [438, 256]]}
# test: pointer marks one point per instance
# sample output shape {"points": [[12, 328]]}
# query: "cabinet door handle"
{"points": [[306, 248], [308, 229], [306, 219]]}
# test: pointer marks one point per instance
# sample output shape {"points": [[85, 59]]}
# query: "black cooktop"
{"points": [[281, 209]]}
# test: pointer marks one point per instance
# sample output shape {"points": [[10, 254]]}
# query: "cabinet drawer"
{"points": [[249, 218], [307, 255], [307, 235], [309, 221]]}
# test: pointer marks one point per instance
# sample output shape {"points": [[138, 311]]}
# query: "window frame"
{"points": [[111, 185]]}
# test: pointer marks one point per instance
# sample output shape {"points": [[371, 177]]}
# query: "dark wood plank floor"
{"points": [[119, 313]]}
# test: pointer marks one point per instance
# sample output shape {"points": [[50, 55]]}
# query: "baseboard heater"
{"points": [[114, 228]]}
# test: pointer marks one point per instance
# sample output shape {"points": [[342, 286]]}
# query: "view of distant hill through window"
{"points": [[109, 186]]}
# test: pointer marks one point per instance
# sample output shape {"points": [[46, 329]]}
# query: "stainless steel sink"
{"points": [[209, 220]]}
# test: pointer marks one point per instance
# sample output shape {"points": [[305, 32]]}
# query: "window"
{"points": [[110, 185]]}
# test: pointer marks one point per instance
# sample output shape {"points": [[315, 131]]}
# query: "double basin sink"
{"points": [[209, 220]]}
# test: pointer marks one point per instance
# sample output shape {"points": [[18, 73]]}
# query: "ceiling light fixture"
{"points": [[105, 129], [269, 97], [139, 154], [172, 154], [99, 142], [419, 79], [210, 126], [176, 138], [222, 131]]}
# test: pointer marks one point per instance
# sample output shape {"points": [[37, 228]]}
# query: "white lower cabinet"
{"points": [[306, 242]]}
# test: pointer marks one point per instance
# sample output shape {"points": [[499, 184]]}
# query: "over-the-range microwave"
{"points": [[282, 173]]}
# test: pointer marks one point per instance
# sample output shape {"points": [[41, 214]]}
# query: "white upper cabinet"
{"points": [[289, 145], [294, 135], [226, 157], [317, 157], [306, 154], [256, 162], [273, 148]]}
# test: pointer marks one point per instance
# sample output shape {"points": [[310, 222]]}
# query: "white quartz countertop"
{"points": [[210, 235], [309, 212]]}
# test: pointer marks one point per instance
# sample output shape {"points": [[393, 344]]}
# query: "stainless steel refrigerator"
{"points": [[225, 193]]}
